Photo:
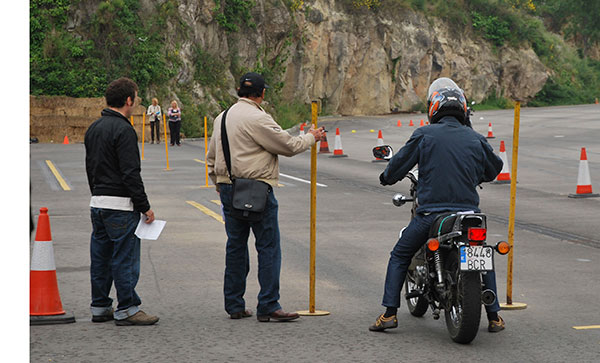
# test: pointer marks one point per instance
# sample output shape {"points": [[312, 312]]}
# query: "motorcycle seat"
{"points": [[442, 224]]}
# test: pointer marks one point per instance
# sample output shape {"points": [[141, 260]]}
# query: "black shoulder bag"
{"points": [[249, 195]]}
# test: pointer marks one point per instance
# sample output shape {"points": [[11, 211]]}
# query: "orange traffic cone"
{"points": [[411, 123], [66, 140], [422, 123], [504, 176], [584, 182], [399, 123], [302, 129], [324, 147], [379, 143], [45, 306], [426, 122], [490, 134], [337, 147]]}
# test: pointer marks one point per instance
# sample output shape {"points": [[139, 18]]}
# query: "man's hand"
{"points": [[319, 133], [149, 216]]}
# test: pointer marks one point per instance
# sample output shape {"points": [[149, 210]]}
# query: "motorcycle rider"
{"points": [[453, 160]]}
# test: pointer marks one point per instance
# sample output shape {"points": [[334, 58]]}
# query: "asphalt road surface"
{"points": [[556, 265]]}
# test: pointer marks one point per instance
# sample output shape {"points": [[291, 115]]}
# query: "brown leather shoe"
{"points": [[278, 315], [139, 318], [241, 314]]}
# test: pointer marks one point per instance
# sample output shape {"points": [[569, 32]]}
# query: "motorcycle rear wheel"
{"points": [[416, 305], [464, 313]]}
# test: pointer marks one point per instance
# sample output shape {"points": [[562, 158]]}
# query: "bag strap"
{"points": [[225, 144]]}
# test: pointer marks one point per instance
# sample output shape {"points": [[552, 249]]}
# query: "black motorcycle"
{"points": [[446, 273]]}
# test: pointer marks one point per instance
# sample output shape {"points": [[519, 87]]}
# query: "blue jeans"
{"points": [[237, 262], [115, 257], [412, 238]]}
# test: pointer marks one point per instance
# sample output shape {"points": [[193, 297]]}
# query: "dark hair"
{"points": [[250, 92], [117, 92]]}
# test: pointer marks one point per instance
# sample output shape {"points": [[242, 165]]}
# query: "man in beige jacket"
{"points": [[255, 141]]}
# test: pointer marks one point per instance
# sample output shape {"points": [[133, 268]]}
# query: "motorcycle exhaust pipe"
{"points": [[488, 297]]}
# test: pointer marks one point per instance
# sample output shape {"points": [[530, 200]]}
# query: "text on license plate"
{"points": [[476, 258]]}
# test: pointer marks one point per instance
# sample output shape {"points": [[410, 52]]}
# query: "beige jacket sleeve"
{"points": [[210, 158], [268, 134]]}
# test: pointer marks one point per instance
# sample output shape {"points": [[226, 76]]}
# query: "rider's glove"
{"points": [[382, 180]]}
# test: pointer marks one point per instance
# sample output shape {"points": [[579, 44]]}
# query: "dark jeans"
{"points": [[154, 124], [175, 128], [412, 238], [237, 263], [115, 257]]}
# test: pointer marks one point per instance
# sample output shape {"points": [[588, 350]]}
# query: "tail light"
{"points": [[477, 234], [433, 244]]}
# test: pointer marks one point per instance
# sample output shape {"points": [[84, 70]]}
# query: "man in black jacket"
{"points": [[113, 168], [453, 159]]}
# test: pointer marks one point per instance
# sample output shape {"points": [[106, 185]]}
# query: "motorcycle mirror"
{"points": [[383, 152]]}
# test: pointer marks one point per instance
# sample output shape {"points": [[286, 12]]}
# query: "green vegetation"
{"points": [[117, 42]]}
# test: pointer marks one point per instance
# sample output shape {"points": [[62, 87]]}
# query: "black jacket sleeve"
{"points": [[404, 160], [130, 167], [492, 162]]}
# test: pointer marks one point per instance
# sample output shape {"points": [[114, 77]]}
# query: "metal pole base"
{"points": [[51, 319], [513, 306], [315, 313]]}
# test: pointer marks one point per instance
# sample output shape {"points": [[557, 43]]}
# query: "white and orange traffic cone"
{"points": [[399, 123], [45, 306], [411, 123], [379, 143], [337, 146], [584, 182], [490, 134], [504, 176], [422, 123], [324, 146], [302, 129], [66, 140]]}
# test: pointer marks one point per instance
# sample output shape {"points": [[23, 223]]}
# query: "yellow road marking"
{"points": [[200, 161], [583, 327], [57, 175], [216, 201], [206, 211]]}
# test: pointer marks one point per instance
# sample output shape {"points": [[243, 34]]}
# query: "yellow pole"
{"points": [[511, 218], [143, 132], [166, 143], [131, 120], [313, 222], [205, 150]]}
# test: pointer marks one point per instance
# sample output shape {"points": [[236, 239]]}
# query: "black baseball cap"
{"points": [[253, 81]]}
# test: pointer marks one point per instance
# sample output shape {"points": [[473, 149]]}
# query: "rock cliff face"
{"points": [[354, 61]]}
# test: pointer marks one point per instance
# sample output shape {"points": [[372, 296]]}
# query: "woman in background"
{"points": [[154, 114], [174, 114]]}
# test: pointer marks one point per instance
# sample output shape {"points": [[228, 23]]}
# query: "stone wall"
{"points": [[52, 118]]}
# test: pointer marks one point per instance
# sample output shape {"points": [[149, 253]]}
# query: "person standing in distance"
{"points": [[174, 113], [112, 162], [255, 141], [154, 114]]}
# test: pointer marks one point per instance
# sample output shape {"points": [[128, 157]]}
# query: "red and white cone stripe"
{"points": [[584, 181], [338, 151], [504, 176], [490, 134]]}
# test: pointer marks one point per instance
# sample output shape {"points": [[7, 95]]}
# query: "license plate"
{"points": [[476, 258]]}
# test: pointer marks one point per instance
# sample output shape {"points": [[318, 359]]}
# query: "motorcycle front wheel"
{"points": [[416, 305], [463, 312]]}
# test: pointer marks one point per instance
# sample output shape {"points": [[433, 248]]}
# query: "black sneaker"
{"points": [[103, 318], [384, 323], [496, 325]]}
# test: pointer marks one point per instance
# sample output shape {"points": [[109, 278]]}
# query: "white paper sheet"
{"points": [[149, 231]]}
